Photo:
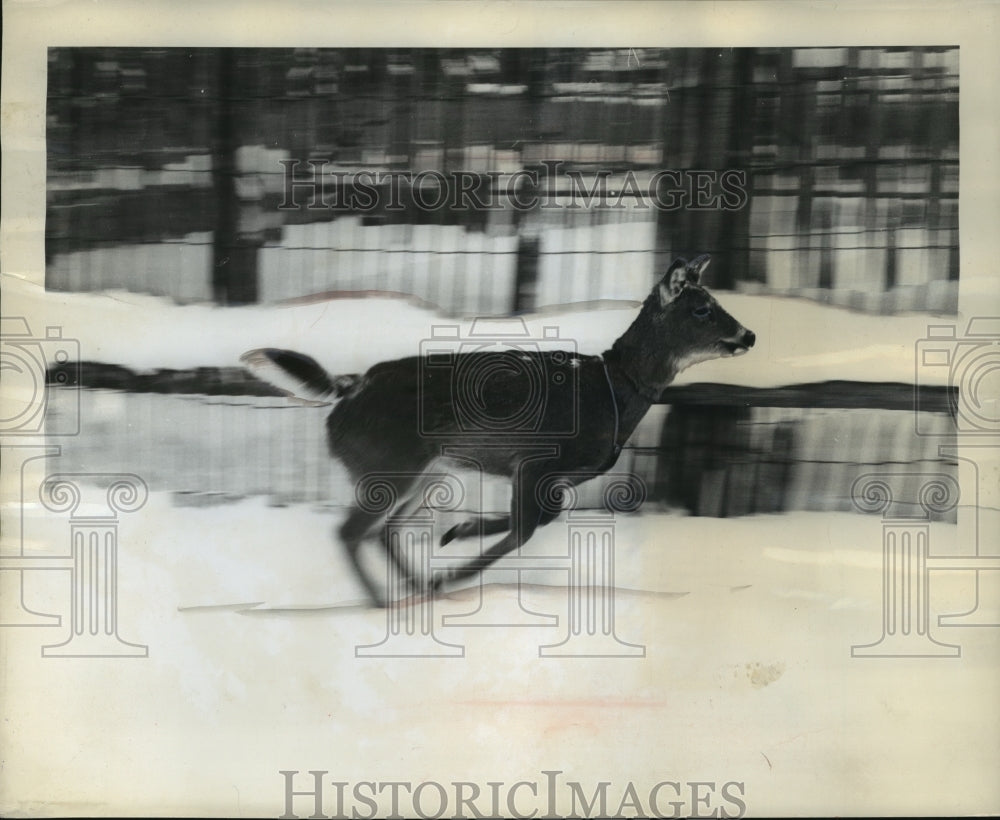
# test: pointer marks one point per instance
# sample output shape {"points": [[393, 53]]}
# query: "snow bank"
{"points": [[798, 341]]}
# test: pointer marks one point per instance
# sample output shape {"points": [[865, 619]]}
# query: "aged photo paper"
{"points": [[499, 409]]}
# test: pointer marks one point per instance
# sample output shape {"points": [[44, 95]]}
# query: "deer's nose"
{"points": [[749, 337]]}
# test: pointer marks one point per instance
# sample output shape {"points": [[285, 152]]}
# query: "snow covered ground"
{"points": [[747, 676]]}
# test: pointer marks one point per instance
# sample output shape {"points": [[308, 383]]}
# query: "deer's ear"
{"points": [[676, 278], [697, 267]]}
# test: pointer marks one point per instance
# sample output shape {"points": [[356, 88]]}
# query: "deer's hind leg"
{"points": [[405, 509], [361, 523], [358, 524]]}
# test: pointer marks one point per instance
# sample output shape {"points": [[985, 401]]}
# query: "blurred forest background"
{"points": [[162, 163]]}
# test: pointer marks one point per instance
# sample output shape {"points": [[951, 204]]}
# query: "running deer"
{"points": [[398, 417]]}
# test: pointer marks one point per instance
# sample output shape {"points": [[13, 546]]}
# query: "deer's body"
{"points": [[365, 438], [400, 416]]}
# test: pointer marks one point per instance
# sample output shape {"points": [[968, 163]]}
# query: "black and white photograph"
{"points": [[521, 409]]}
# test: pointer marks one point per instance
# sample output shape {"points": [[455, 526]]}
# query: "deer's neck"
{"points": [[632, 398], [644, 364]]}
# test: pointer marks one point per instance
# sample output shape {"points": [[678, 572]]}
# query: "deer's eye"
{"points": [[702, 312]]}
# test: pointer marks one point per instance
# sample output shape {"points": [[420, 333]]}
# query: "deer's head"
{"points": [[680, 324]]}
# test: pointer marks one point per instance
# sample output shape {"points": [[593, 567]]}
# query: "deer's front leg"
{"points": [[477, 526], [526, 515]]}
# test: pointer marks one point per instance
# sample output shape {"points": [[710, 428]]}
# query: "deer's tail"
{"points": [[297, 374]]}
